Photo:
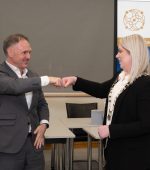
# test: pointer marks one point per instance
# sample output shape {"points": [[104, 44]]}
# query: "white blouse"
{"points": [[117, 89]]}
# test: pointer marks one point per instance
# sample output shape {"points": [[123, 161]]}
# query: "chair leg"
{"points": [[63, 156]]}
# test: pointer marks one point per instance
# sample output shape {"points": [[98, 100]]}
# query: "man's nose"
{"points": [[28, 55]]}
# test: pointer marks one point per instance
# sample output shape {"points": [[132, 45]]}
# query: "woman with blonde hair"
{"points": [[126, 127]]}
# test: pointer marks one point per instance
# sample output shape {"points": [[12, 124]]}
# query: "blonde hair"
{"points": [[139, 54]]}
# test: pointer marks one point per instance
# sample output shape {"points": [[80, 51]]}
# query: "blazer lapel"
{"points": [[119, 101]]}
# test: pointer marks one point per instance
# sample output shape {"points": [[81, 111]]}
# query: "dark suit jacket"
{"points": [[14, 113], [129, 143]]}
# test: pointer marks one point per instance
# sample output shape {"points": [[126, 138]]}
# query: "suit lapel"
{"points": [[12, 74]]}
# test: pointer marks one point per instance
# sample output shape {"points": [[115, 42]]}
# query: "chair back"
{"points": [[80, 110]]}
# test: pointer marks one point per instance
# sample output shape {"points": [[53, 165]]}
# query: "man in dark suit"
{"points": [[24, 112]]}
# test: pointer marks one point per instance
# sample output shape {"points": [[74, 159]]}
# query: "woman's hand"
{"points": [[68, 81], [103, 131]]}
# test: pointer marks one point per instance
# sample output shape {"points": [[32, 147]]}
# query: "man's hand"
{"points": [[39, 132], [56, 81]]}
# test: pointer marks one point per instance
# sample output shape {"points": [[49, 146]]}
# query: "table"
{"points": [[76, 122], [92, 132], [57, 130], [86, 125]]}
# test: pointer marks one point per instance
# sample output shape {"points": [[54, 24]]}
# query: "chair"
{"points": [[80, 110]]}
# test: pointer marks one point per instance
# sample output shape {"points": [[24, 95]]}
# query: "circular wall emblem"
{"points": [[134, 19]]}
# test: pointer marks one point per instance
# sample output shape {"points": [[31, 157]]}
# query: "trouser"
{"points": [[28, 158]]}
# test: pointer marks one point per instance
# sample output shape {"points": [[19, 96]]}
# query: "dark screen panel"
{"points": [[68, 37]]}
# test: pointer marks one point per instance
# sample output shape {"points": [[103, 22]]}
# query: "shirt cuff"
{"points": [[44, 81], [45, 122]]}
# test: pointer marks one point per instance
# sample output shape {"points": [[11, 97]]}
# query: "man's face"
{"points": [[19, 54]]}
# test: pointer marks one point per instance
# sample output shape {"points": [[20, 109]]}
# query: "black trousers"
{"points": [[28, 158]]}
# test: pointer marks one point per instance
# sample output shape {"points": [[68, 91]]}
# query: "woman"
{"points": [[126, 127]]}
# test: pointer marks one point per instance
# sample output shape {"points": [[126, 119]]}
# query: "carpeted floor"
{"points": [[78, 165], [80, 154]]}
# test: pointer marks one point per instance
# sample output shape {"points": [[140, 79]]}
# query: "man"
{"points": [[24, 112]]}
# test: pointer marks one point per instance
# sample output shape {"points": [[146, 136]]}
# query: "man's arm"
{"points": [[15, 86]]}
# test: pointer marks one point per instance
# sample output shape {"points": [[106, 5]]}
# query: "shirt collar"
{"points": [[17, 71], [123, 76]]}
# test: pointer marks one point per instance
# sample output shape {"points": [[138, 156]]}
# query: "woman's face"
{"points": [[124, 59]]}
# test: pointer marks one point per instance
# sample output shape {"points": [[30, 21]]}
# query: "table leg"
{"points": [[71, 153], [100, 155], [60, 156], [57, 156], [53, 157], [89, 152], [67, 154]]}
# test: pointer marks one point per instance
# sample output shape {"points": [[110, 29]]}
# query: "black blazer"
{"points": [[14, 113], [129, 141]]}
